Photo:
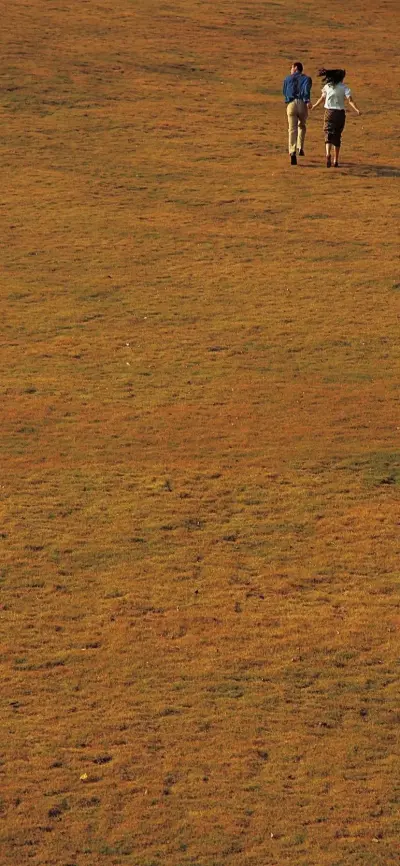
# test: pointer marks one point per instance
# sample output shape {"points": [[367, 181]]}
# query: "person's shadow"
{"points": [[372, 170], [359, 169]]}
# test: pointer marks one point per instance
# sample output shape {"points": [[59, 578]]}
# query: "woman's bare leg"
{"points": [[328, 147], [336, 155]]}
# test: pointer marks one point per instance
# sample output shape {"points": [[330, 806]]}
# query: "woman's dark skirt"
{"points": [[334, 122]]}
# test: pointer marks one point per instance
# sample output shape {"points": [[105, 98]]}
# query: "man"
{"points": [[297, 93]]}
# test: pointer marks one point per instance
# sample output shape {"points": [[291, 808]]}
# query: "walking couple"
{"points": [[297, 94]]}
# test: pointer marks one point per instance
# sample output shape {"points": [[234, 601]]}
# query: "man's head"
{"points": [[296, 67]]}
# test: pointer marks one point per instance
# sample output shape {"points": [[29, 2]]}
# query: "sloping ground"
{"points": [[200, 439]]}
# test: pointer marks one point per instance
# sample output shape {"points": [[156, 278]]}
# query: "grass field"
{"points": [[200, 442]]}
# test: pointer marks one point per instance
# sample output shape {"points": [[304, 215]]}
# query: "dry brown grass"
{"points": [[200, 439]]}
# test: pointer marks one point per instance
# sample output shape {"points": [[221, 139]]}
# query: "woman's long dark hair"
{"points": [[332, 76]]}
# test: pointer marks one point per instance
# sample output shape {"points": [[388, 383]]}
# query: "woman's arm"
{"points": [[353, 105], [318, 102]]}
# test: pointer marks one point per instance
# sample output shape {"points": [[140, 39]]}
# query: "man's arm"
{"points": [[307, 90]]}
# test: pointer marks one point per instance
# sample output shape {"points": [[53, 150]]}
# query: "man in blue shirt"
{"points": [[297, 93]]}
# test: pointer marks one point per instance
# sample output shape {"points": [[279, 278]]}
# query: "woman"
{"points": [[334, 92]]}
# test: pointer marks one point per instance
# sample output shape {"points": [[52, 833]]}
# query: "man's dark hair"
{"points": [[298, 66], [332, 76]]}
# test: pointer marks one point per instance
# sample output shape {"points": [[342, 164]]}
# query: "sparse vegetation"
{"points": [[200, 464]]}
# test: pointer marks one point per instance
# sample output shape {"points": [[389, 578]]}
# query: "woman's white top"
{"points": [[335, 95]]}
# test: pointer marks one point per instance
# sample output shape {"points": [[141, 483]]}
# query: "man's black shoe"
{"points": [[293, 159], [301, 152]]}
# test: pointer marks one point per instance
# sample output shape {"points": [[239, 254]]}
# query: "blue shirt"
{"points": [[297, 86]]}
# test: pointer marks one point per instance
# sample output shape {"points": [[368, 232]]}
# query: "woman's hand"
{"points": [[318, 102]]}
